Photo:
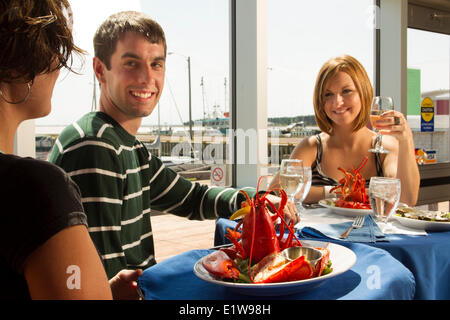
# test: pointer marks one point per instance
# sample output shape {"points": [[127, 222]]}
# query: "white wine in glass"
{"points": [[379, 106], [291, 177]]}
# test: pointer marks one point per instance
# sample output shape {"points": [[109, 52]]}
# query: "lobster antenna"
{"points": [[282, 220], [246, 196], [363, 163], [251, 246]]}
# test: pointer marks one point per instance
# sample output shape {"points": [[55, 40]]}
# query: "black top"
{"points": [[37, 200], [318, 178]]}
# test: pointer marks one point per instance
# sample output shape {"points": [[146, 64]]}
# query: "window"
{"points": [[302, 35], [428, 86], [196, 84], [428, 90]]}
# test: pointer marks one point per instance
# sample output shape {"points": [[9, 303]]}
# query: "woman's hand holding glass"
{"points": [[378, 118]]}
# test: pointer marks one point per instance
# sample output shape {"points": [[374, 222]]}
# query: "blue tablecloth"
{"points": [[174, 279], [427, 257]]}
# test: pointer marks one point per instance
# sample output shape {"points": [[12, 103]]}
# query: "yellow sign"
{"points": [[427, 109]]}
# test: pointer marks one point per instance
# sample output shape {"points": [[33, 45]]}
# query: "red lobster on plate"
{"points": [[260, 244], [353, 189]]}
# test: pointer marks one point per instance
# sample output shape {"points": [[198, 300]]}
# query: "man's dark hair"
{"points": [[107, 35]]}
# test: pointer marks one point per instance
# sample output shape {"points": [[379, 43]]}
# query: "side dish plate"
{"points": [[329, 203], [423, 224]]}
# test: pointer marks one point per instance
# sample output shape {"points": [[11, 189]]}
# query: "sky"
{"points": [[301, 37]]}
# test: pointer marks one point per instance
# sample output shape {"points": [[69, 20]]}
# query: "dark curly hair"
{"points": [[113, 28], [35, 38]]}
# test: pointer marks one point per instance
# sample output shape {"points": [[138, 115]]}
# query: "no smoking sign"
{"points": [[218, 175]]}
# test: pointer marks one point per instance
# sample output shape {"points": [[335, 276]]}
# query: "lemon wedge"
{"points": [[241, 213]]}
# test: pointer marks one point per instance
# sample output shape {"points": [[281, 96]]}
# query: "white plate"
{"points": [[423, 224], [344, 211], [342, 259]]}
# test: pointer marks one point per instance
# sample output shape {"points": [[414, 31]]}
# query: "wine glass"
{"points": [[379, 106], [384, 194], [291, 177], [301, 195]]}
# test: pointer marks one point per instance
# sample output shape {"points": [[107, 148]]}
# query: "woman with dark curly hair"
{"points": [[45, 248]]}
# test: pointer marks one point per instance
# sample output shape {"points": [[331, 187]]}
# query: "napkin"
{"points": [[369, 232]]}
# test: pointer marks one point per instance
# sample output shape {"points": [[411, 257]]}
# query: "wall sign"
{"points": [[427, 115], [218, 175]]}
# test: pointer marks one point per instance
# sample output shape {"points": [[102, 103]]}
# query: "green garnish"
{"points": [[327, 269]]}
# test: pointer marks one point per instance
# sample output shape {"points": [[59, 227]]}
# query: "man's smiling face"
{"points": [[134, 83]]}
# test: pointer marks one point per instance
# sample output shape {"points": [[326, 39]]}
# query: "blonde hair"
{"points": [[356, 71]]}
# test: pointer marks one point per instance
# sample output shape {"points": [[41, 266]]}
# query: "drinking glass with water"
{"points": [[304, 190], [384, 194]]}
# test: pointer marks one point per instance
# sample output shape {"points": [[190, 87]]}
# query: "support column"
{"points": [[249, 89], [393, 51]]}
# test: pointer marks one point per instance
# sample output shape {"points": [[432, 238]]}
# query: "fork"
{"points": [[358, 223]]}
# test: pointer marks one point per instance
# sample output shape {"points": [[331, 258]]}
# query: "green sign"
{"points": [[413, 92]]}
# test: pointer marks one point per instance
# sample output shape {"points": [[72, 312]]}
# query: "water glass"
{"points": [[384, 194], [301, 195]]}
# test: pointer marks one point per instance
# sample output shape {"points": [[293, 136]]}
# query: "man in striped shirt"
{"points": [[120, 181]]}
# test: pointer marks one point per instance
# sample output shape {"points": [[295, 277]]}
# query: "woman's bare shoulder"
{"points": [[306, 150]]}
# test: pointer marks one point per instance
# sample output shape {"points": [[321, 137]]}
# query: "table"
{"points": [[174, 279], [427, 257]]}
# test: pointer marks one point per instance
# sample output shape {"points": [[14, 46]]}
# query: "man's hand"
{"points": [[124, 285], [290, 211]]}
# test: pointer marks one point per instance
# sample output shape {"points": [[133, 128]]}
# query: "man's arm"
{"points": [[169, 192]]}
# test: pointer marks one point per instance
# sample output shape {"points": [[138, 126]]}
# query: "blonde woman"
{"points": [[342, 102]]}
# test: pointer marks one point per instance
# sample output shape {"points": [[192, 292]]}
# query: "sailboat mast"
{"points": [[203, 96], [225, 106]]}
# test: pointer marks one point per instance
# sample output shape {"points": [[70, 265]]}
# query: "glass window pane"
{"points": [[302, 35], [197, 34], [428, 86]]}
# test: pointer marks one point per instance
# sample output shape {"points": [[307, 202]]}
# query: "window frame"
{"points": [[434, 178]]}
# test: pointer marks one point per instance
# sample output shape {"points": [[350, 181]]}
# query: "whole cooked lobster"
{"points": [[353, 189], [259, 243]]}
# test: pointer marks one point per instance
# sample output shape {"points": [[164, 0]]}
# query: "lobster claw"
{"points": [[277, 268], [291, 264], [219, 264]]}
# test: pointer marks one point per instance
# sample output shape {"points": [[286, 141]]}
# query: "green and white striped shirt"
{"points": [[121, 182]]}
